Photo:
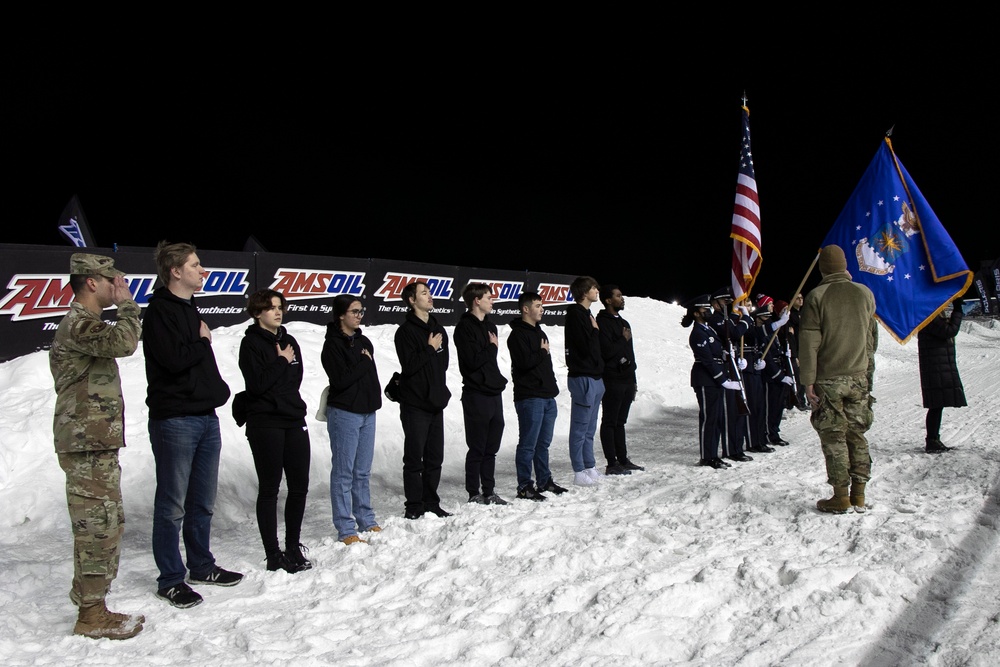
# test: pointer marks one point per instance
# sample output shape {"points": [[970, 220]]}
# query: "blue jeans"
{"points": [[352, 448], [536, 420], [587, 394], [186, 450]]}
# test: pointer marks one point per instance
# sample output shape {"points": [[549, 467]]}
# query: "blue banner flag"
{"points": [[896, 245], [73, 224]]}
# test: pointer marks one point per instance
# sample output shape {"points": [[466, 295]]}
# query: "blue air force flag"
{"points": [[896, 245], [73, 224]]}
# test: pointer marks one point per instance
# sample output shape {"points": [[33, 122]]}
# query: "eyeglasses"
{"points": [[360, 312]]}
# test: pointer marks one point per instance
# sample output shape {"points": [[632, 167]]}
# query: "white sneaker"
{"points": [[594, 474], [583, 479]]}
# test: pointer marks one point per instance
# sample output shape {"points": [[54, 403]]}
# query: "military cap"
{"points": [[85, 264], [700, 301], [723, 293], [762, 313]]}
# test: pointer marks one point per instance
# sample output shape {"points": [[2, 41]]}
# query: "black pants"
{"points": [[423, 455], [277, 450], [776, 398], [615, 404], [711, 420], [933, 423], [483, 431]]}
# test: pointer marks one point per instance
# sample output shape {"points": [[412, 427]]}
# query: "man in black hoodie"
{"points": [[585, 368], [535, 392], [619, 380], [482, 393], [422, 349], [184, 387]]}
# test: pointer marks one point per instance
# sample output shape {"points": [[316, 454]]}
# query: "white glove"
{"points": [[744, 310], [789, 380], [780, 322], [731, 384], [759, 365], [742, 363]]}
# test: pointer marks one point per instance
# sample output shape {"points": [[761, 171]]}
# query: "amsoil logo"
{"points": [[298, 284], [503, 290], [393, 284], [34, 296], [554, 295]]}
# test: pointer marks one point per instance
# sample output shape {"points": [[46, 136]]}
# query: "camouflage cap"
{"points": [[85, 264]]}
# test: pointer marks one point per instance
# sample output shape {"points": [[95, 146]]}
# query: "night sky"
{"points": [[619, 165]]}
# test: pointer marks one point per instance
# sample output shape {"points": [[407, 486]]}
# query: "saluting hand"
{"points": [[120, 293]]}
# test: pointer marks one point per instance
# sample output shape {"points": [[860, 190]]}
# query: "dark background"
{"points": [[613, 162]]}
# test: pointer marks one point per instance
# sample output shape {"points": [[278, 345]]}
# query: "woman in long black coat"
{"points": [[940, 382]]}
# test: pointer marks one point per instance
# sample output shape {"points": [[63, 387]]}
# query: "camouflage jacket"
{"points": [[89, 405]]}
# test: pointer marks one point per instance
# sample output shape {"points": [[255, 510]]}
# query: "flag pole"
{"points": [[774, 334]]}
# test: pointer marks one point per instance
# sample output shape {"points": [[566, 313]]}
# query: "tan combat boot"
{"points": [[858, 496], [838, 504], [96, 622], [138, 618]]}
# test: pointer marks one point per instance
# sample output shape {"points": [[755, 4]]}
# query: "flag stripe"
{"points": [[745, 229]]}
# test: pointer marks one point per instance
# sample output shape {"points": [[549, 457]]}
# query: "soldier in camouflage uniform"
{"points": [[838, 336], [88, 429]]}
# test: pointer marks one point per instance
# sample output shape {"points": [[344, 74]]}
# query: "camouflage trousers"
{"points": [[841, 420], [96, 513]]}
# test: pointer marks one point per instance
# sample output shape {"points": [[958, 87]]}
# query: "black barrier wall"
{"points": [[38, 294]]}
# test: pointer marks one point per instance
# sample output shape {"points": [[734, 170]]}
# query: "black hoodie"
{"points": [[423, 368], [353, 376], [530, 365], [272, 383], [182, 376]]}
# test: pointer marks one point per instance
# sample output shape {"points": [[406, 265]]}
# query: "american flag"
{"points": [[745, 230]]}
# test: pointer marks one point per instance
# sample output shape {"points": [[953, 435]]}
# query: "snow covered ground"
{"points": [[679, 564]]}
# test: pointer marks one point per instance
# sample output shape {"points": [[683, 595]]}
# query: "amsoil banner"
{"points": [[36, 292]]}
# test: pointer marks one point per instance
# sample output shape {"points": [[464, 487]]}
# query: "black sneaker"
{"points": [[297, 556], [779, 442], [412, 515], [628, 465], [281, 561], [437, 511], [552, 487], [494, 499], [530, 493], [217, 577], [616, 470], [479, 499], [180, 595], [936, 447]]}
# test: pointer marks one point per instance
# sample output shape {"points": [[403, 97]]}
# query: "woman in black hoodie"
{"points": [[274, 412], [355, 394]]}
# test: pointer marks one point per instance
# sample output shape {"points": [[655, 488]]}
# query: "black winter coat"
{"points": [[940, 383]]}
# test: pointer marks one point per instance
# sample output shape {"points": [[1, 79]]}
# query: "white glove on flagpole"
{"points": [[742, 363], [780, 322], [759, 365]]}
